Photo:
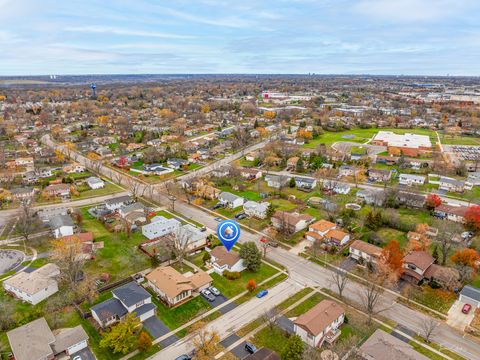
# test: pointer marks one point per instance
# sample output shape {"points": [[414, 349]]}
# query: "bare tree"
{"points": [[178, 243], [136, 188], [370, 295], [205, 341], [429, 325], [340, 279], [117, 176], [270, 317], [446, 231], [27, 222], [68, 255]]}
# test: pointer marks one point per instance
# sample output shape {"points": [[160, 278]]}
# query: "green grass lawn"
{"points": [[361, 136], [231, 288], [120, 256], [390, 234], [107, 190], [176, 317], [437, 299], [305, 306], [459, 140], [274, 339]]}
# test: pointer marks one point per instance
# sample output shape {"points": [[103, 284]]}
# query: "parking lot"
{"points": [[467, 152]]}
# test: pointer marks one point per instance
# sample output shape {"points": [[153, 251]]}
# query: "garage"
{"points": [[470, 295], [145, 311]]}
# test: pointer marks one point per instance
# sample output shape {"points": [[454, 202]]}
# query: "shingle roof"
{"points": [[31, 341], [65, 338], [224, 257], [61, 220], [420, 259], [320, 316], [471, 292], [382, 346], [131, 293], [109, 308]]}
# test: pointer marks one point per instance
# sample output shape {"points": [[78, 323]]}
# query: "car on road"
{"points": [[273, 244], [183, 357], [218, 219], [252, 349], [262, 293], [466, 308], [78, 357], [207, 295], [214, 290], [203, 229]]}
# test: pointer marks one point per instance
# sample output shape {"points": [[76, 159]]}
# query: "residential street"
{"points": [[235, 319]]}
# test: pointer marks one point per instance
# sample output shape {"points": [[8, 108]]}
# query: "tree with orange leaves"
{"points": [[420, 240], [251, 285], [466, 261], [390, 263]]}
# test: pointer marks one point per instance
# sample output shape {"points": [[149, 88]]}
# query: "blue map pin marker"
{"points": [[228, 232]]}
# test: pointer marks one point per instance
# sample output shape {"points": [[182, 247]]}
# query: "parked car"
{"points": [[467, 235], [218, 219], [466, 308], [217, 206], [203, 229], [273, 244], [183, 357], [207, 295], [252, 349], [239, 215], [78, 357], [262, 293], [214, 290]]}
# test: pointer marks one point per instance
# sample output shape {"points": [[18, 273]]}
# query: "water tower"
{"points": [[94, 88]]}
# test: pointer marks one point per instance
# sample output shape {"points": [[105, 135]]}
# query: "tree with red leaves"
{"points": [[251, 285], [432, 201], [390, 263], [122, 161], [472, 218]]}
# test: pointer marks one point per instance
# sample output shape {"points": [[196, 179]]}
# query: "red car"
{"points": [[466, 308]]}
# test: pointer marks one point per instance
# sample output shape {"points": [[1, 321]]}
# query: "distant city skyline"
{"points": [[377, 37]]}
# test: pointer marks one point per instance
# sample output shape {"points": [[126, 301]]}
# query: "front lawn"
{"points": [[106, 190], [177, 316], [120, 256], [437, 299], [305, 306], [231, 288]]}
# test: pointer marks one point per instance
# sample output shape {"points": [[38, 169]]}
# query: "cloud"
{"points": [[228, 21], [125, 32], [411, 10]]}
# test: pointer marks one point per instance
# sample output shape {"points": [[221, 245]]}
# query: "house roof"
{"points": [[132, 207], [109, 308], [65, 338], [366, 248], [82, 237], [382, 346], [292, 218], [336, 234], [319, 317], [228, 196], [118, 200], [32, 341], [61, 220], [421, 259], [322, 225], [454, 210], [33, 282], [131, 293], [305, 179], [172, 283], [224, 257], [471, 292], [94, 180]]}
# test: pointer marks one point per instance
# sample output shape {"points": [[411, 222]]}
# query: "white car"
{"points": [[214, 290]]}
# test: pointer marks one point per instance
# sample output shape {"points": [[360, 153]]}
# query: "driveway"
{"points": [[457, 319], [156, 327], [348, 264], [219, 300], [85, 354], [286, 324]]}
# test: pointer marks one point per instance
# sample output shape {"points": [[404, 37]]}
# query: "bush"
{"points": [[345, 320], [206, 257], [231, 275], [251, 285]]}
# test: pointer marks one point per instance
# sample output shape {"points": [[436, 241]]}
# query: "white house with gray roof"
{"points": [[61, 225], [95, 183], [470, 295], [129, 298], [230, 200], [411, 179], [118, 202], [256, 209], [35, 286], [159, 226]]}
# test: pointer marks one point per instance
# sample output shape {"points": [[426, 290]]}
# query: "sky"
{"points": [[409, 37]]}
